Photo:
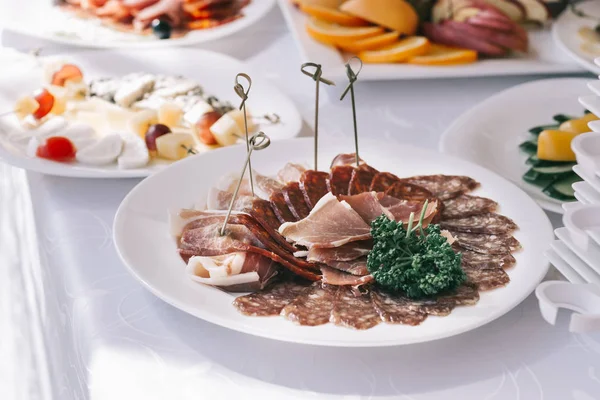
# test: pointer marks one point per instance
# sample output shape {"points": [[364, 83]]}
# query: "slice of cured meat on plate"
{"points": [[348, 252], [466, 206], [270, 301], [313, 306], [491, 223], [336, 277], [339, 179], [485, 244], [444, 186], [353, 311], [314, 185]]}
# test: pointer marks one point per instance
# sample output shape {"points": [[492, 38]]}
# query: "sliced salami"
{"points": [[382, 181], [439, 307], [395, 309], [485, 244], [355, 267], [262, 211], [444, 186], [281, 209], [487, 279], [313, 306], [466, 206], [487, 261], [314, 186], [490, 223], [339, 180], [360, 181], [353, 311], [465, 295], [269, 301], [408, 191], [294, 199]]}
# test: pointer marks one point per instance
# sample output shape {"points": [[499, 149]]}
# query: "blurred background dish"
{"points": [[577, 32], [109, 24]]}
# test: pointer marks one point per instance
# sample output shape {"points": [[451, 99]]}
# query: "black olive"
{"points": [[161, 28]]}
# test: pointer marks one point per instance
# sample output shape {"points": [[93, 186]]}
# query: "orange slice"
{"points": [[335, 34], [332, 15], [445, 55], [397, 52], [371, 43]]}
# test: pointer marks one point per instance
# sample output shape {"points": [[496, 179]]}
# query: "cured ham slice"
{"points": [[314, 185], [313, 306], [382, 181], [368, 206], [467, 206], [269, 301], [294, 198], [356, 267], [339, 179], [490, 223], [291, 172], [236, 272], [336, 277], [347, 252], [330, 224], [444, 186], [401, 209], [353, 311]]}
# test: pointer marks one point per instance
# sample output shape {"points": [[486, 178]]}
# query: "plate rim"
{"points": [[443, 146], [52, 168], [220, 32], [196, 312]]}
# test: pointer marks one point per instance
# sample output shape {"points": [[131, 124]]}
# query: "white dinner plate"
{"points": [[565, 34], [544, 57], [141, 235], [41, 19], [215, 72], [490, 133]]}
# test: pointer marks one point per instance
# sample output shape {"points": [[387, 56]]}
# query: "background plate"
{"points": [[143, 243], [544, 57], [40, 19], [490, 134], [565, 34], [215, 72]]}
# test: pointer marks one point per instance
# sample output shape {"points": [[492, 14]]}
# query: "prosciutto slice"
{"points": [[235, 272], [367, 205], [332, 223], [347, 252], [336, 277], [291, 172]]}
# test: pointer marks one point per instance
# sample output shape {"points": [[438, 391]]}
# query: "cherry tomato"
{"points": [[57, 148], [46, 102], [67, 72]]}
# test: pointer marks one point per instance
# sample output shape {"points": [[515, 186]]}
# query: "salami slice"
{"points": [[485, 244], [465, 295], [263, 212], [360, 181], [353, 311], [314, 186], [444, 186], [395, 309], [490, 223], [467, 206], [408, 191], [269, 301], [339, 180], [487, 279], [439, 307], [313, 306], [281, 209], [294, 198], [382, 181], [487, 261]]}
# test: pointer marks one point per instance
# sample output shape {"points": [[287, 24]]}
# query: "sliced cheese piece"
{"points": [[226, 130], [238, 116], [104, 151], [197, 111], [174, 146], [141, 121], [130, 92]]}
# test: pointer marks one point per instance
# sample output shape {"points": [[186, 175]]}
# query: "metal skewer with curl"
{"points": [[353, 76], [259, 141], [316, 76], [243, 93]]}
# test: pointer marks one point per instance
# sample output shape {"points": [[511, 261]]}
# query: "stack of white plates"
{"points": [[576, 253]]}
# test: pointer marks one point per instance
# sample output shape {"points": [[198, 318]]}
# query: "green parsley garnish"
{"points": [[417, 264]]}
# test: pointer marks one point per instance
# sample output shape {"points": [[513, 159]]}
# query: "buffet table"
{"points": [[80, 327]]}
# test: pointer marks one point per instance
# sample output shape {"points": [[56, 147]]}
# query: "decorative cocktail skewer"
{"points": [[259, 141], [353, 76], [316, 76], [239, 90]]}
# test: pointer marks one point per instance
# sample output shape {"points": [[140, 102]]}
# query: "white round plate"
{"points": [[41, 19], [565, 29], [142, 240], [490, 133], [215, 72]]}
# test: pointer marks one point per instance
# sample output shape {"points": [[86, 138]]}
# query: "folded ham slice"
{"points": [[368, 206], [234, 272], [347, 252], [332, 223], [339, 278]]}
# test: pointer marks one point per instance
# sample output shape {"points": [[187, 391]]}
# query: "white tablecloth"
{"points": [[75, 325]]}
